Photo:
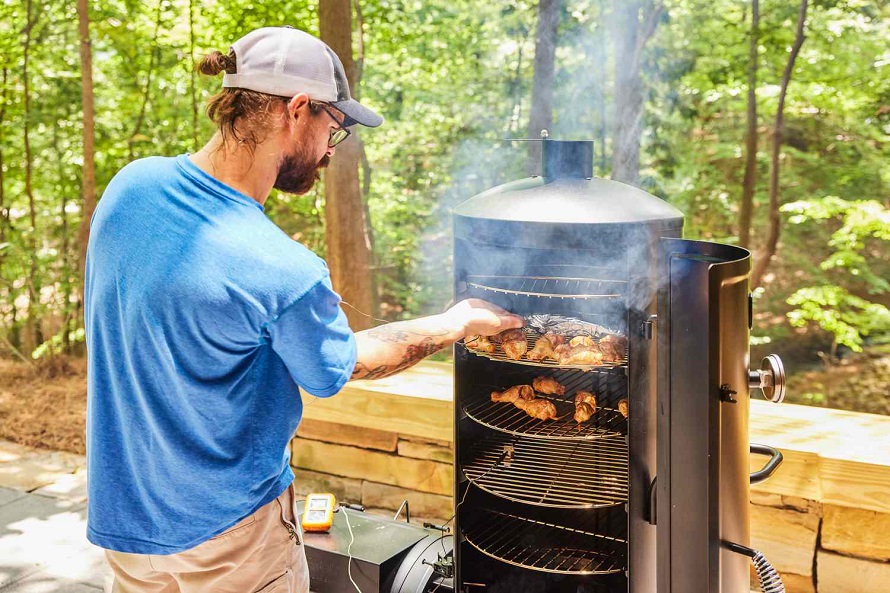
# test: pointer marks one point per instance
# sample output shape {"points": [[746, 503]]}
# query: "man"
{"points": [[204, 323]]}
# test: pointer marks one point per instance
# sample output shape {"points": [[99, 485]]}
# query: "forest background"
{"points": [[767, 122]]}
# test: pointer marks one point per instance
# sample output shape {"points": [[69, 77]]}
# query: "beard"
{"points": [[298, 172]]}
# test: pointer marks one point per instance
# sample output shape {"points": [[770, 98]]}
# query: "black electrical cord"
{"points": [[770, 581]]}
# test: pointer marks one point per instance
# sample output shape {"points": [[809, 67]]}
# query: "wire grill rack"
{"points": [[543, 546], [607, 421], [563, 474], [532, 338], [551, 286]]}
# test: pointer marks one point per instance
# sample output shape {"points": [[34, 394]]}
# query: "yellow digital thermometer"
{"points": [[318, 514]]}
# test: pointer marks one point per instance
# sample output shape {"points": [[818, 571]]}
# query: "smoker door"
{"points": [[702, 453]]}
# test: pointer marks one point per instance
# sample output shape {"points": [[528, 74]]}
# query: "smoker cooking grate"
{"points": [[506, 417], [551, 287], [563, 474], [532, 339], [543, 546]]}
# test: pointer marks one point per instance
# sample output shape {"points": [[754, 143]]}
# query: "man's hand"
{"points": [[481, 318]]}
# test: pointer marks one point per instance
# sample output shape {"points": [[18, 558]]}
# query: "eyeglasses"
{"points": [[338, 135]]}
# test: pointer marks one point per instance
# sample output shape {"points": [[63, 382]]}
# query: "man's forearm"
{"points": [[394, 347]]}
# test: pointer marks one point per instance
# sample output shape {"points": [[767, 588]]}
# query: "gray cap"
{"points": [[285, 61]]}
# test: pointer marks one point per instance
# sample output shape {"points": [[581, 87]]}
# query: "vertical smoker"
{"points": [[654, 492]]}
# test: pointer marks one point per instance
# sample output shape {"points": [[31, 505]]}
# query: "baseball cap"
{"points": [[285, 61]]}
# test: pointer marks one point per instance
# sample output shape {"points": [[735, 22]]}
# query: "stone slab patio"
{"points": [[43, 545]]}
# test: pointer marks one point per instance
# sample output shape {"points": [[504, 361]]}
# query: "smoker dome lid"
{"points": [[567, 201]]}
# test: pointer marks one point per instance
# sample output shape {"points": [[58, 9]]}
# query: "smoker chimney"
{"points": [[567, 159]]}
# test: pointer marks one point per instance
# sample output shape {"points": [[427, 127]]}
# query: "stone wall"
{"points": [[375, 468], [822, 548]]}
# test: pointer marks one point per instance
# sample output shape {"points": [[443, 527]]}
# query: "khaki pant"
{"points": [[259, 554]]}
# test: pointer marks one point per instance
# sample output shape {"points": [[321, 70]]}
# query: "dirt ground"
{"points": [[859, 383], [45, 405]]}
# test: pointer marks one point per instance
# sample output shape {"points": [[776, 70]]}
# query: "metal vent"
{"points": [[544, 547], [562, 474]]}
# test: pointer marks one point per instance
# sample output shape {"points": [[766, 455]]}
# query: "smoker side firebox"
{"points": [[655, 481]]}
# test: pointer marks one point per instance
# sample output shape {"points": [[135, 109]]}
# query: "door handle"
{"points": [[771, 466], [769, 378]]}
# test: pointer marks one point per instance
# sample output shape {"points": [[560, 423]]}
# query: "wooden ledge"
{"points": [[416, 402], [831, 456]]}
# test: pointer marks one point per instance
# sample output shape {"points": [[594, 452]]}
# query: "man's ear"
{"points": [[298, 105]]}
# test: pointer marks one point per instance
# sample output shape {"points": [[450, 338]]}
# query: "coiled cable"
{"points": [[770, 581]]}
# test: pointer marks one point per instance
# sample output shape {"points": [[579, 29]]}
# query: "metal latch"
{"points": [[509, 452], [444, 565], [726, 393], [648, 327]]}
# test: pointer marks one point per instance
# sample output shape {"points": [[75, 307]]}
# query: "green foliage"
{"points": [[453, 79], [847, 317], [866, 223], [861, 236], [56, 343]]}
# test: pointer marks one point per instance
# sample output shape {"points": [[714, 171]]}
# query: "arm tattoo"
{"points": [[385, 333], [392, 334], [413, 354]]}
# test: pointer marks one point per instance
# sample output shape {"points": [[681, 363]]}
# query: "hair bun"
{"points": [[216, 62]]}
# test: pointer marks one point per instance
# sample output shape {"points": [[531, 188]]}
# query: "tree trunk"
{"points": [[4, 212], [346, 238], [601, 58], [775, 221], [33, 335], [747, 205], [514, 91], [146, 92], [6, 294], [192, 75], [366, 170], [88, 176], [65, 279], [635, 23], [540, 116]]}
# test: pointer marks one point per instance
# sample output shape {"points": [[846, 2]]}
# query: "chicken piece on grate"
{"points": [[544, 346], [514, 343], [479, 343], [585, 397], [539, 409], [561, 353], [622, 407], [587, 355], [513, 394], [583, 412], [548, 385], [613, 347], [585, 341]]}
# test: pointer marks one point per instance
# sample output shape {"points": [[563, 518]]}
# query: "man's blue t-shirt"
{"points": [[203, 323]]}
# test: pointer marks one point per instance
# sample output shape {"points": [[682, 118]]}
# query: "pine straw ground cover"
{"points": [[44, 405]]}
